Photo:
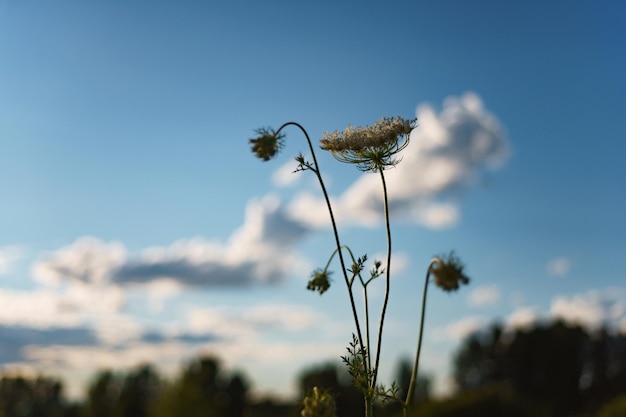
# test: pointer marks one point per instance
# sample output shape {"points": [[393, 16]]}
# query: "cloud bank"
{"points": [[260, 252], [592, 310]]}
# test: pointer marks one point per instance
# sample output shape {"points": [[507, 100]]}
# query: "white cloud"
{"points": [[72, 307], [45, 308], [484, 296], [285, 175], [460, 329], [287, 317], [558, 267], [592, 309], [117, 329], [87, 260], [448, 153], [437, 215], [235, 323], [8, 256], [259, 252], [311, 210], [522, 318], [159, 291], [102, 357]]}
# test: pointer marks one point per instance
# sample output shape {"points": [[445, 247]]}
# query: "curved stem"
{"points": [[334, 225], [409, 395], [387, 278]]}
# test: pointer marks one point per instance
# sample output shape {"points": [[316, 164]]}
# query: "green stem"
{"points": [[409, 395], [367, 326], [334, 225], [387, 280]]}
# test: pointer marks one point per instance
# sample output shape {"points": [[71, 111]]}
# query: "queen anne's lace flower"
{"points": [[371, 148]]}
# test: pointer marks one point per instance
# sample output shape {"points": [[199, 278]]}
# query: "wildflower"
{"points": [[371, 148], [448, 272], [267, 144], [319, 404], [320, 281]]}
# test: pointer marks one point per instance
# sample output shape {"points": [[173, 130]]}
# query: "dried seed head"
{"points": [[448, 273], [267, 144]]}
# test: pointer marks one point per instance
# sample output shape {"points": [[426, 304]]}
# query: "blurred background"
{"points": [[145, 252]]}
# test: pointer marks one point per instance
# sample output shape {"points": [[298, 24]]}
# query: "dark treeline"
{"points": [[547, 371]]}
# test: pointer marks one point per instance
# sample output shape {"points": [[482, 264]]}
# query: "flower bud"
{"points": [[319, 404], [320, 281]]}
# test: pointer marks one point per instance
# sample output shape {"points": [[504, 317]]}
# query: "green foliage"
{"points": [[133, 394], [328, 378], [355, 360], [495, 401], [103, 395], [39, 397], [204, 390], [269, 407], [319, 403], [562, 368], [478, 362], [614, 408]]}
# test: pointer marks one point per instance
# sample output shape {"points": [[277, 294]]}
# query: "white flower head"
{"points": [[370, 148]]}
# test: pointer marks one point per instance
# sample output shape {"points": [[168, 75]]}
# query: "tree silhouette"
{"points": [[560, 367], [123, 395], [478, 363], [140, 389], [21, 397], [103, 394], [546, 364], [204, 390]]}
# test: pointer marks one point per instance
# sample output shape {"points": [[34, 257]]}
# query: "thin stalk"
{"points": [[387, 279], [367, 325], [334, 225], [369, 407], [409, 395]]}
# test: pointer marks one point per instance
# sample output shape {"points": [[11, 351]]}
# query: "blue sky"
{"points": [[135, 224]]}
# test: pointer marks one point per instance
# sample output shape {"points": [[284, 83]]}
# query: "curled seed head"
{"points": [[267, 143], [448, 272]]}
